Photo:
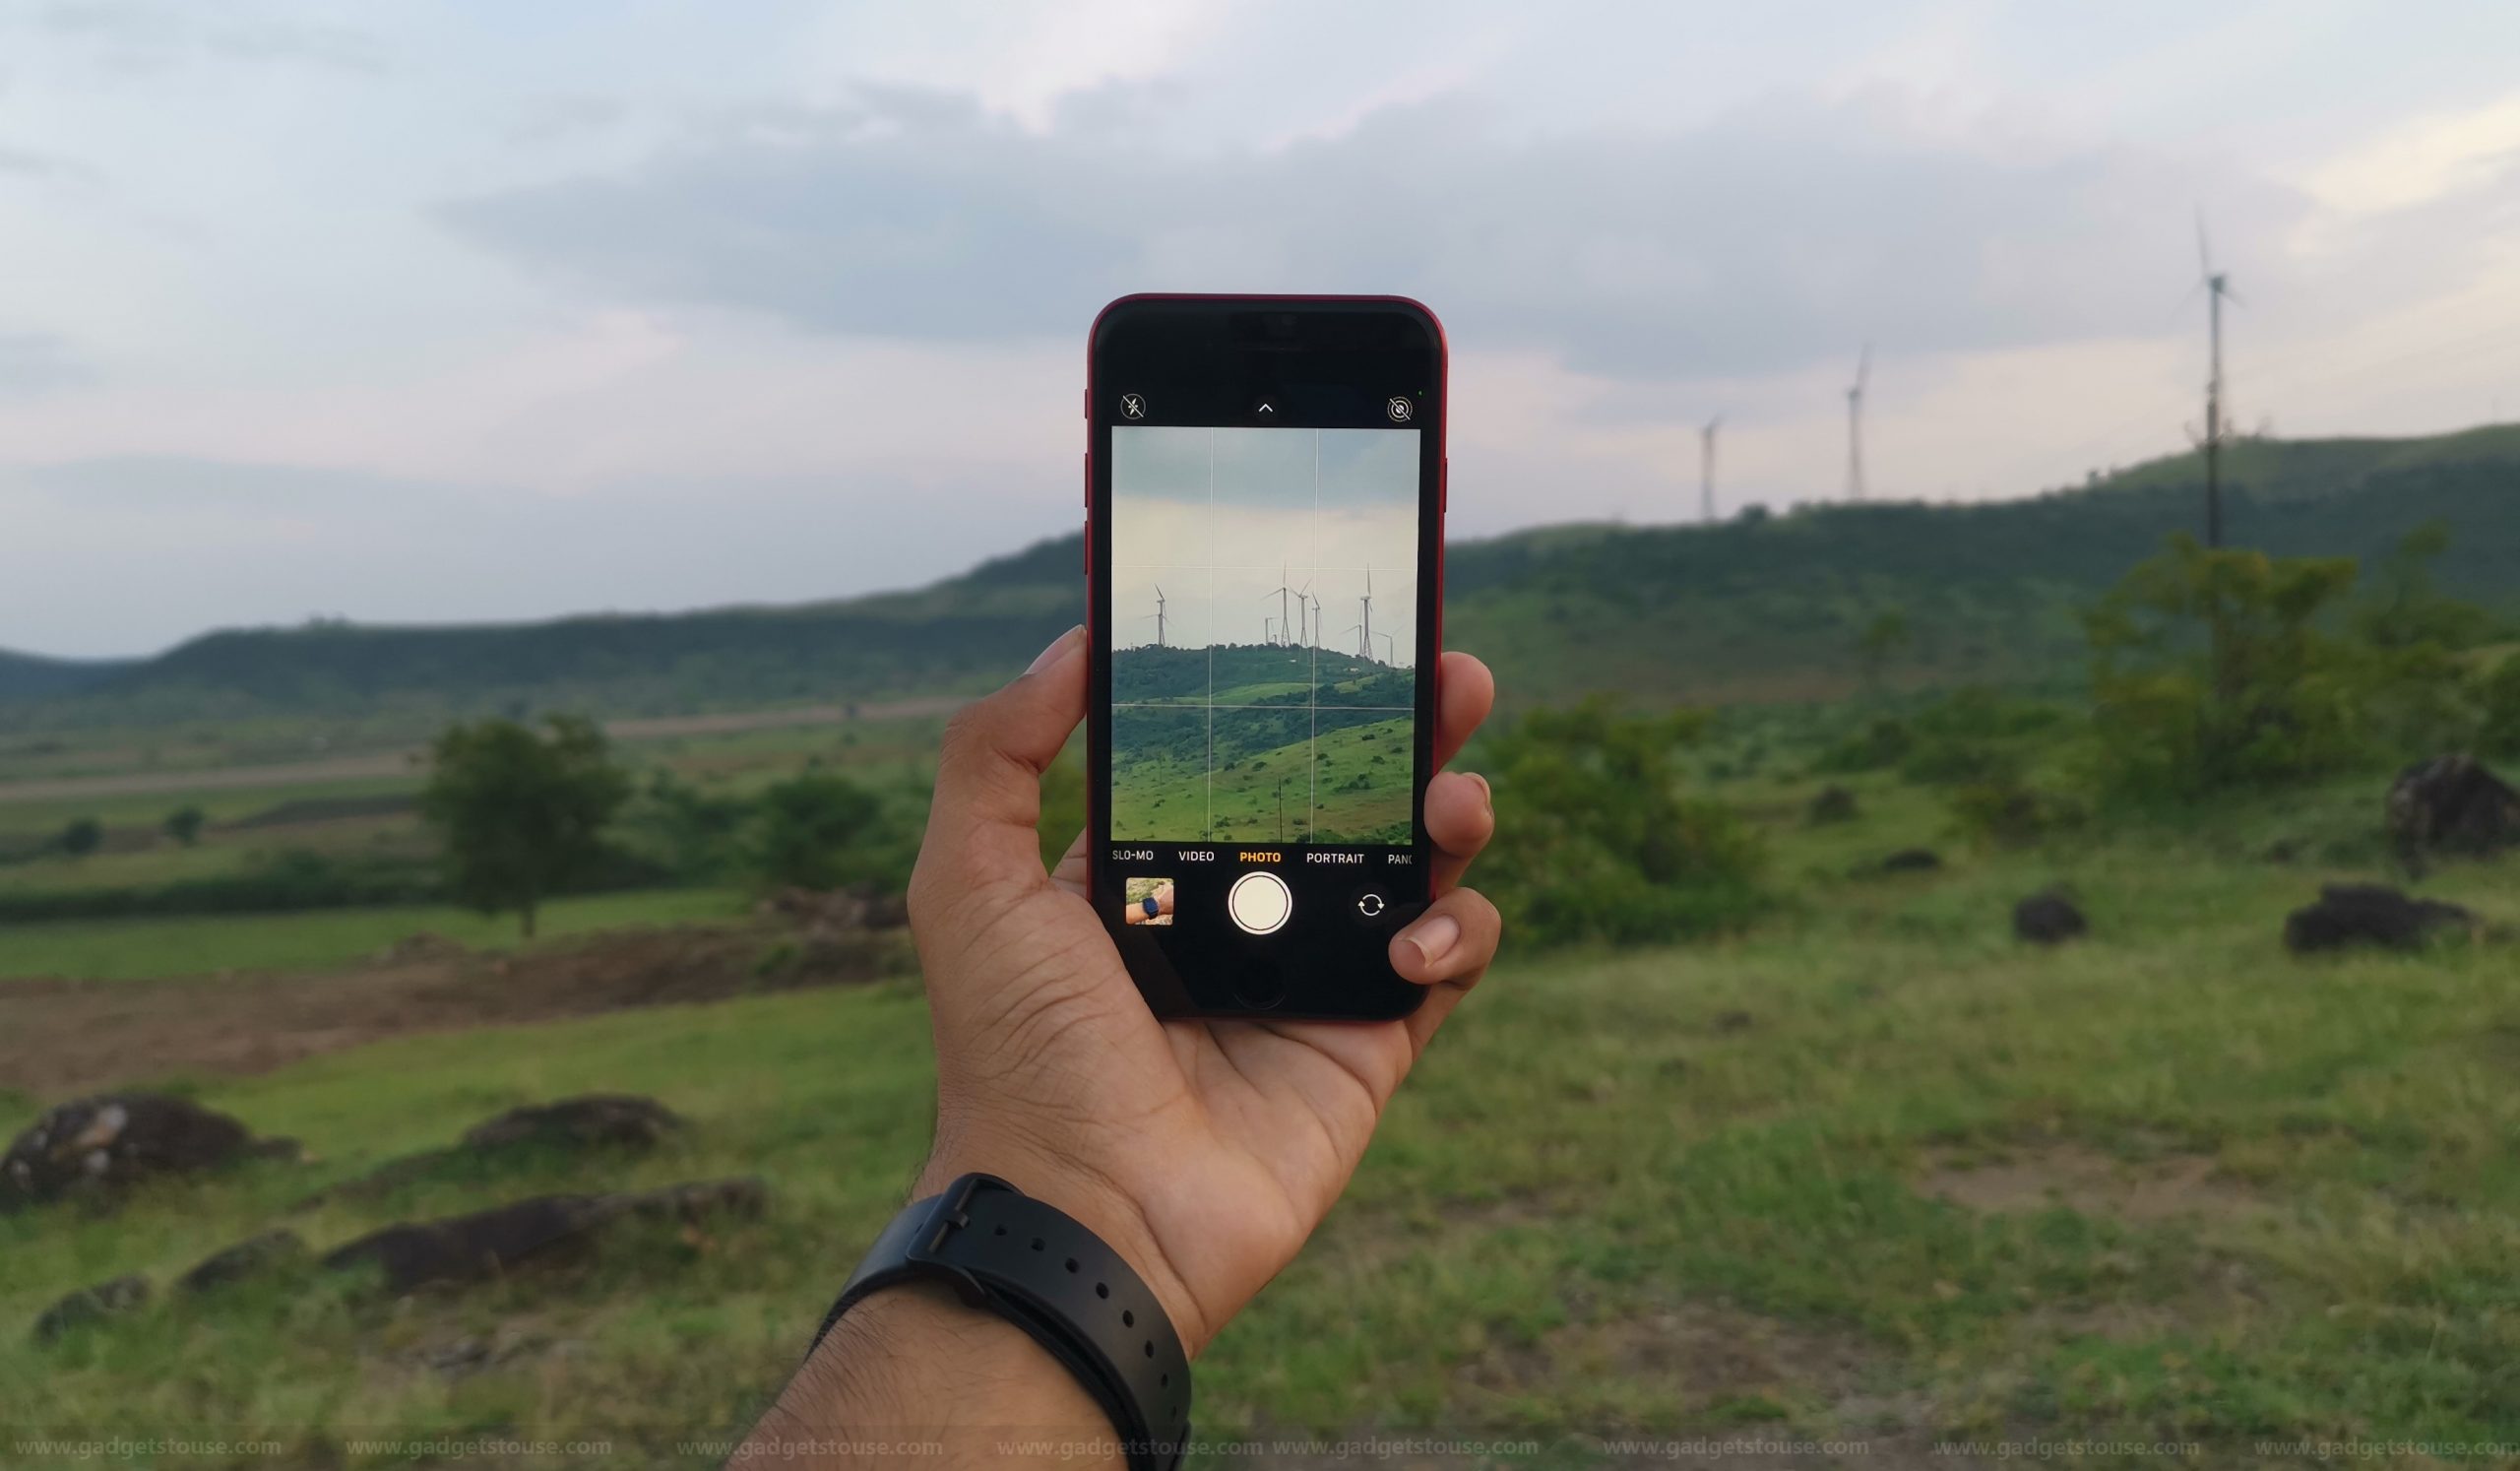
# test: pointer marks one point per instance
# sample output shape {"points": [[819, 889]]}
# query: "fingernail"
{"points": [[1057, 646], [1436, 938], [1486, 794]]}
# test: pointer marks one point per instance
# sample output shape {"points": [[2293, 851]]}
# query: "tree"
{"points": [[184, 825], [82, 836], [809, 829], [1885, 637], [2211, 669], [521, 815]]}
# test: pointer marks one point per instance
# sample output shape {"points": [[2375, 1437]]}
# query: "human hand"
{"points": [[1203, 1151]]}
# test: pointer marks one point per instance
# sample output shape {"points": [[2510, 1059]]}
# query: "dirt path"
{"points": [[61, 1038], [395, 763]]}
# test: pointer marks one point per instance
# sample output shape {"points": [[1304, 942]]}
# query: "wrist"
{"points": [[913, 1367], [1086, 1195]]}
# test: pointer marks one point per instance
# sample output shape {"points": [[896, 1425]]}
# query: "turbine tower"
{"points": [[1706, 470], [1158, 616], [1316, 614], [1282, 591], [1855, 424], [1365, 619], [2217, 285]]}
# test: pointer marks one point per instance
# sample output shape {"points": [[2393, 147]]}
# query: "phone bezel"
{"points": [[1341, 971]]}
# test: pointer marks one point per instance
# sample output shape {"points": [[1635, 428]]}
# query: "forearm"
{"points": [[911, 1366]]}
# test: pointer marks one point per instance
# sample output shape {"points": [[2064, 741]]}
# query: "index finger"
{"points": [[1465, 693]]}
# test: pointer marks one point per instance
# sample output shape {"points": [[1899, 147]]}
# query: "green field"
{"points": [[1349, 784], [1218, 745], [205, 944], [1873, 1170]]}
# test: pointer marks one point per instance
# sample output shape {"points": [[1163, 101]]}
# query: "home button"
{"points": [[1260, 985]]}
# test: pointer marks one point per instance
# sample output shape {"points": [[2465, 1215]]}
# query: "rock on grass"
{"points": [[595, 1121], [250, 1257], [103, 1145], [91, 1305], [572, 1126], [2048, 918], [2370, 914], [2452, 804], [545, 1229]]}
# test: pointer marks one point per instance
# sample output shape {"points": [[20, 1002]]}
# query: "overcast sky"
{"points": [[443, 311]]}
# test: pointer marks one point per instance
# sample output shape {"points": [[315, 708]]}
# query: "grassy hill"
{"points": [[1259, 742], [1758, 608], [31, 676]]}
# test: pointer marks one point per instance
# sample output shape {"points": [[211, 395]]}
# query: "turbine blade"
{"points": [[2204, 253], [1863, 367]]}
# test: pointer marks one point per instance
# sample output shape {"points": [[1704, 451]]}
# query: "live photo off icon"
{"points": [[1400, 409]]}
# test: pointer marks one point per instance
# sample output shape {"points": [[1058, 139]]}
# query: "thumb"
{"points": [[983, 825]]}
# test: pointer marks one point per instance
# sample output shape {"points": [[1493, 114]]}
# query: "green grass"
{"points": [[136, 949], [32, 816], [1601, 1147], [1332, 786]]}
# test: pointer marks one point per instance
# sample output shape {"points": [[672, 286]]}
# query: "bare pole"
{"points": [[1855, 424], [2218, 284], [2214, 416], [1706, 470]]}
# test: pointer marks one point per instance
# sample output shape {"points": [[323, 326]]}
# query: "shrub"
{"points": [[1598, 841], [2211, 672], [813, 831], [2498, 692], [80, 837], [2005, 809], [1882, 742]]}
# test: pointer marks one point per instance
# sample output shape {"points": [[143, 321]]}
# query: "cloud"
{"points": [[35, 362], [138, 36], [2423, 160], [337, 46], [1775, 237]]}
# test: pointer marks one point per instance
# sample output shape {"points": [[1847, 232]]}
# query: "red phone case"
{"points": [[1094, 800]]}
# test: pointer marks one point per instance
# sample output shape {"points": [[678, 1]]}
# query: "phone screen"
{"points": [[1265, 616]]}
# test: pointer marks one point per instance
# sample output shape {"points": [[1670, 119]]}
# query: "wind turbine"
{"points": [[2217, 285], [1855, 424], [1316, 613], [1282, 593], [1390, 652], [1366, 620], [1158, 616], [1706, 470]]}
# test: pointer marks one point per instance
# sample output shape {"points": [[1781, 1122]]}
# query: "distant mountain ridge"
{"points": [[32, 675], [1754, 608]]}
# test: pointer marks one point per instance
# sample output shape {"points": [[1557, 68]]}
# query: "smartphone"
{"points": [[1264, 560]]}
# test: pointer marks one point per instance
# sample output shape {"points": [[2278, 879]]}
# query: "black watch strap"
{"points": [[1041, 1269]]}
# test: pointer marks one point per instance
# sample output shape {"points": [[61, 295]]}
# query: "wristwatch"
{"points": [[1041, 1269], [1151, 906]]}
